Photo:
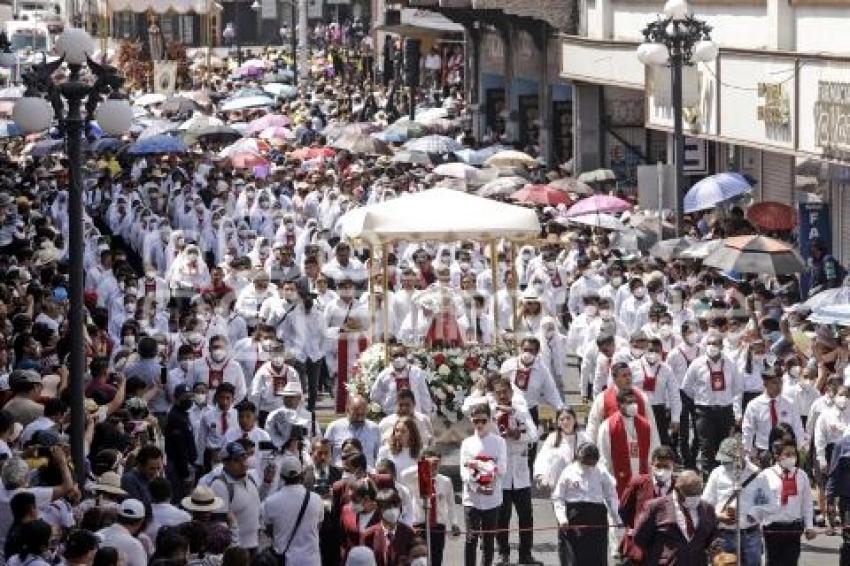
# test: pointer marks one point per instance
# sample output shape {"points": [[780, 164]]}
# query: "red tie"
{"points": [[223, 423], [774, 418], [689, 523]]}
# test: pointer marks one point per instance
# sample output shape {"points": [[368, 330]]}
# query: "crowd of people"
{"points": [[222, 310]]}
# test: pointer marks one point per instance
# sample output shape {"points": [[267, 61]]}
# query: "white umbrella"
{"points": [[466, 173], [715, 189], [150, 99], [601, 220], [837, 296], [433, 144], [509, 158], [246, 102], [701, 249], [200, 121], [832, 314]]}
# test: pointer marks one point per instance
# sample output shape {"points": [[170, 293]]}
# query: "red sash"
{"points": [[150, 286], [718, 378], [278, 382], [623, 450], [789, 486], [402, 382], [649, 380], [503, 421], [523, 377], [556, 279], [610, 407], [342, 369], [216, 376]]}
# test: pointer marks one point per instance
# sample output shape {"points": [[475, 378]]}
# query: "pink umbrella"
{"points": [[267, 121], [598, 204], [278, 133]]}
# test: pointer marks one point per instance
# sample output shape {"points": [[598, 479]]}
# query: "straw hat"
{"points": [[202, 499], [109, 482]]}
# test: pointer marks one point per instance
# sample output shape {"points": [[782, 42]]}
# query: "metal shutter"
{"points": [[843, 227], [777, 178]]}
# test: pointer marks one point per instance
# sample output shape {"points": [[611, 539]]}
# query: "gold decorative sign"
{"points": [[775, 107], [832, 118]]}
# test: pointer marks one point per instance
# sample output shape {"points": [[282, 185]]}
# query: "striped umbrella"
{"points": [[434, 144], [756, 254]]}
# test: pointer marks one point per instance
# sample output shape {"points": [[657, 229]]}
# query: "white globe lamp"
{"points": [[32, 114], [676, 9], [75, 45], [653, 54], [114, 116], [705, 51]]}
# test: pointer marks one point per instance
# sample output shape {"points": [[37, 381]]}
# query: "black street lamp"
{"points": [[43, 101], [676, 40]]}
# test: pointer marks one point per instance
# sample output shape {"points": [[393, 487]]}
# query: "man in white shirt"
{"points": [[406, 407], [122, 534], [586, 282], [483, 464], [401, 375], [240, 493], [216, 368], [163, 513], [764, 413], [735, 473], [831, 425], [292, 517], [531, 379], [355, 425], [656, 380]]}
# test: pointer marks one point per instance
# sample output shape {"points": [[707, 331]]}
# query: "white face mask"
{"points": [[692, 502], [201, 398], [631, 409], [421, 561], [591, 310], [527, 358], [665, 330], [637, 352], [639, 293], [399, 363], [130, 341], [391, 515], [277, 361], [692, 338], [184, 365], [549, 333], [841, 402], [788, 463], [794, 372], [218, 354], [713, 351], [651, 358]]}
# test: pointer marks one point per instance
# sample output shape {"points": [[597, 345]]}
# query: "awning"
{"points": [[423, 23], [160, 6]]}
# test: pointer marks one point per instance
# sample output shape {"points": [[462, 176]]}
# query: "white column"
{"points": [[303, 45], [780, 22]]}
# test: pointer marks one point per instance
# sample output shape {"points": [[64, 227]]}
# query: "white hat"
{"points": [[293, 388], [202, 499], [110, 482], [290, 466], [132, 509]]}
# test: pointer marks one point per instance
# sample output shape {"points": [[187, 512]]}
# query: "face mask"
{"points": [[591, 310], [356, 507], [651, 358], [713, 351], [251, 461], [787, 463], [421, 561], [692, 339], [130, 341], [841, 402], [794, 372], [616, 281], [630, 409], [218, 354], [639, 293], [200, 398], [549, 334], [586, 468], [527, 358], [691, 502], [277, 361], [399, 363], [391, 515], [665, 330], [184, 365], [637, 352], [662, 475]]}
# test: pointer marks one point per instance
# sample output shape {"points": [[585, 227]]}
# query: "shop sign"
{"points": [[832, 118], [813, 225], [774, 106]]}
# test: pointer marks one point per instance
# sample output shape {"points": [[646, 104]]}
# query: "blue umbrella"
{"points": [[9, 129], [158, 144], [715, 189], [478, 156], [106, 145], [246, 102]]}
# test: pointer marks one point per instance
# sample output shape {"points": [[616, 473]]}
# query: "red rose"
{"points": [[439, 359], [471, 363]]}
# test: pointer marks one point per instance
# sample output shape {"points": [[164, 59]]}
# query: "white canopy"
{"points": [[160, 6], [440, 215]]}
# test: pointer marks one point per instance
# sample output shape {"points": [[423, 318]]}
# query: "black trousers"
{"points": [[584, 547], [532, 448], [662, 422], [844, 550], [438, 541], [478, 520], [688, 439], [312, 373], [521, 500], [714, 423], [782, 546]]}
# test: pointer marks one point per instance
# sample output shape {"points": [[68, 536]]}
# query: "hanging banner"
{"points": [[164, 77], [814, 225]]}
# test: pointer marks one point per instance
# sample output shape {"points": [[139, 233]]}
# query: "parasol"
{"points": [[411, 158], [604, 221], [362, 144], [502, 186], [246, 102], [756, 254], [837, 296], [771, 215], [158, 144], [715, 189], [510, 158], [277, 133], [598, 204], [264, 122], [466, 173], [541, 195], [280, 90], [597, 176], [670, 249], [570, 185], [434, 144]]}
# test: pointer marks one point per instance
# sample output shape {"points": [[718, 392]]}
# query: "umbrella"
{"points": [[106, 145], [159, 127], [150, 99], [837, 296], [363, 144], [337, 130], [832, 314], [246, 102], [771, 215], [307, 153], [598, 204], [701, 249], [541, 195], [604, 221], [245, 145], [433, 144], [597, 176], [280, 76], [756, 254], [280, 90], [247, 160], [401, 132], [478, 156], [411, 158], [466, 173], [199, 122], [9, 129], [158, 144], [422, 115], [571, 185], [249, 71], [502, 186], [178, 105], [670, 249], [510, 158], [247, 91], [214, 134], [255, 63], [715, 189], [45, 147], [277, 133], [265, 122]]}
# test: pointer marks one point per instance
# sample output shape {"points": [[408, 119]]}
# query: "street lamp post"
{"points": [[290, 35], [230, 36], [43, 101], [676, 40]]}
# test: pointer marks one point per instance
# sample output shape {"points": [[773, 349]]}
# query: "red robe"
{"points": [[621, 451], [610, 407]]}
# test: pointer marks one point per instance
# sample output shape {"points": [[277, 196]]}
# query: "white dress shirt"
{"points": [[199, 372], [492, 446], [280, 511], [698, 386], [596, 416], [165, 515], [680, 516], [666, 390], [304, 333], [551, 460], [517, 475], [603, 441], [579, 485], [831, 425], [368, 434], [756, 424], [541, 386], [131, 551], [245, 505], [756, 499], [680, 358], [268, 384], [799, 507], [210, 433], [384, 391]]}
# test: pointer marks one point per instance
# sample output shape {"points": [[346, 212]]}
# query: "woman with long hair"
{"points": [[403, 446], [559, 449]]}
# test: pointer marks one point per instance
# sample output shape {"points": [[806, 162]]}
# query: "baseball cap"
{"points": [[132, 509], [233, 450], [290, 466], [182, 390]]}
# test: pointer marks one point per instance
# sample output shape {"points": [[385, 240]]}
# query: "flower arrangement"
{"points": [[451, 372], [483, 469]]}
